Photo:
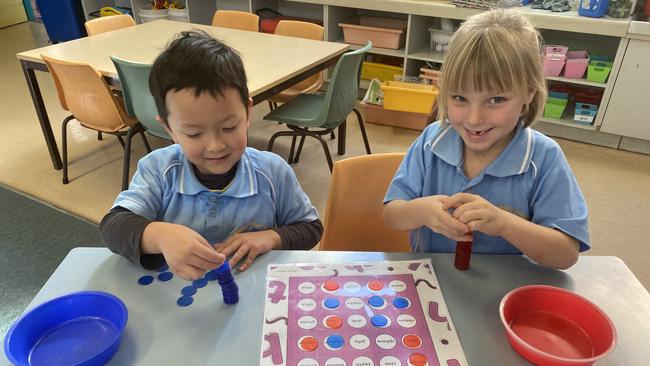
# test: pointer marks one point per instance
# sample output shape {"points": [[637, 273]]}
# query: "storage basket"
{"points": [[382, 32], [179, 15], [585, 113], [409, 97], [379, 115], [598, 71], [576, 64], [382, 72], [554, 107], [149, 15]]}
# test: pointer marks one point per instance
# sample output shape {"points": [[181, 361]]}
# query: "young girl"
{"points": [[481, 168]]}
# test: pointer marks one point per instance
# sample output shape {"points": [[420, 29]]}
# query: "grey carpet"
{"points": [[34, 239]]}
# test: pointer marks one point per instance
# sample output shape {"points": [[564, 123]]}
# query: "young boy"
{"points": [[208, 196]]}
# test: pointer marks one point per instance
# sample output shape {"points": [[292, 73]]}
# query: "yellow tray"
{"points": [[382, 72], [409, 97]]}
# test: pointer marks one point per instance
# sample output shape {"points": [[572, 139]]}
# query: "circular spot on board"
{"points": [[444, 341], [163, 268], [307, 362], [401, 303], [357, 321], [385, 341], [363, 361], [307, 322], [334, 342], [331, 303], [188, 290], [379, 321], [412, 341], [308, 343], [354, 303], [333, 322], [306, 304], [391, 268], [306, 288], [352, 287], [185, 300], [165, 276], [375, 285], [376, 302], [359, 342], [330, 285], [406, 320], [390, 361], [335, 361], [418, 359], [397, 285], [145, 280], [200, 283]]}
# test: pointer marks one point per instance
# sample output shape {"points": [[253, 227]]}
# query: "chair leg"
{"points": [[332, 135], [362, 127], [293, 147], [121, 140], [64, 146], [302, 142], [99, 135], [342, 133], [127, 154], [271, 106], [146, 142], [276, 135], [328, 156]]}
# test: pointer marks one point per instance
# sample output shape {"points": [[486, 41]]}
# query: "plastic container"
{"points": [[554, 327], [585, 113], [382, 72], [598, 71], [81, 328], [593, 8], [179, 15], [409, 97], [554, 107], [554, 59], [150, 15], [576, 64], [431, 74], [382, 32], [379, 115], [439, 41]]}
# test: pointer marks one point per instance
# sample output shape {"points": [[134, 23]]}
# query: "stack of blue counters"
{"points": [[226, 280]]}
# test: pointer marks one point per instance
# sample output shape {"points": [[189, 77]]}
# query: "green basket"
{"points": [[555, 107], [598, 71]]}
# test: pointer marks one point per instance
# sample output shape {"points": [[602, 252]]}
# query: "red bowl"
{"points": [[554, 327]]}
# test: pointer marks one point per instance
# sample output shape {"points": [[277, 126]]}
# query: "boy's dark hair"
{"points": [[196, 60]]}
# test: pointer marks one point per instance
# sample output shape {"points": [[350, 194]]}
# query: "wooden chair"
{"points": [[236, 20], [294, 28], [354, 216], [109, 23], [83, 91]]}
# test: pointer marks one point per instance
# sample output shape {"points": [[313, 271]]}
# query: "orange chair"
{"points": [[83, 91], [354, 217], [109, 23], [236, 20], [294, 28]]}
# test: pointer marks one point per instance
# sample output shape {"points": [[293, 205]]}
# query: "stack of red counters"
{"points": [[463, 254], [226, 280]]}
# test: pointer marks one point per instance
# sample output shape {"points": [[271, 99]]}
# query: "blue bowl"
{"points": [[82, 329]]}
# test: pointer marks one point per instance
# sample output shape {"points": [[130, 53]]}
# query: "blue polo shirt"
{"points": [[531, 178], [264, 193]]}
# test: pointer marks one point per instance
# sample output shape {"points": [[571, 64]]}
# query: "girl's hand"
{"points": [[248, 245], [437, 218], [478, 213]]}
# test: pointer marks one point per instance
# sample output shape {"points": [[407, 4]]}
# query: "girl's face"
{"points": [[485, 120]]}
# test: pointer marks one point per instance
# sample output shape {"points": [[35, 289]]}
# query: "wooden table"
{"points": [[272, 62], [208, 332]]}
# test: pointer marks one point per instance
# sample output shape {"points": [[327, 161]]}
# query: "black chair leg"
{"points": [[99, 135], [341, 142], [121, 140], [271, 106], [302, 142], [64, 146], [328, 156], [332, 135], [293, 147], [362, 127], [276, 135], [146, 142], [127, 154]]}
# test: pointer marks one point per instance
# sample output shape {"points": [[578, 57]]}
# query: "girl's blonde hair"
{"points": [[498, 50]]}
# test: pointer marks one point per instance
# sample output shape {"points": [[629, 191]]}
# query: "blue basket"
{"points": [[593, 8], [585, 113]]}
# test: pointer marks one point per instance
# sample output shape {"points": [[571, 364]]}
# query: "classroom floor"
{"points": [[615, 183]]}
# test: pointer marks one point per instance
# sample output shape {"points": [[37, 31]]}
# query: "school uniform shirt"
{"points": [[530, 178], [264, 194]]}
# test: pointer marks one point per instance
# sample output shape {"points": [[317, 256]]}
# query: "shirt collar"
{"points": [[243, 185], [514, 159]]}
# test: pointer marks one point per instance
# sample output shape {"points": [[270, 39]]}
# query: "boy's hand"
{"points": [[248, 245], [437, 218], [187, 253], [478, 213]]}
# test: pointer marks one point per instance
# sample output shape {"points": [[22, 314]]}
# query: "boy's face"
{"points": [[485, 120], [211, 131]]}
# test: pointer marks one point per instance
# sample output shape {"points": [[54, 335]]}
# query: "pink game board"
{"points": [[357, 314]]}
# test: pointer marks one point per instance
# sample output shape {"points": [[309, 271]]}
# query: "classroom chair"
{"points": [[294, 28], [139, 103], [83, 91], [354, 215], [236, 20], [107, 24], [323, 111]]}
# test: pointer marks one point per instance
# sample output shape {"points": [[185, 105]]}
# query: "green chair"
{"points": [[323, 111], [139, 103]]}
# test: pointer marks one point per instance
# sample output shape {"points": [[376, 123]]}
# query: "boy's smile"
{"points": [[212, 131]]}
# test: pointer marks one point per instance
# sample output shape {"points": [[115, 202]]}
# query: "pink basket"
{"points": [[553, 64], [382, 32], [576, 64]]}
